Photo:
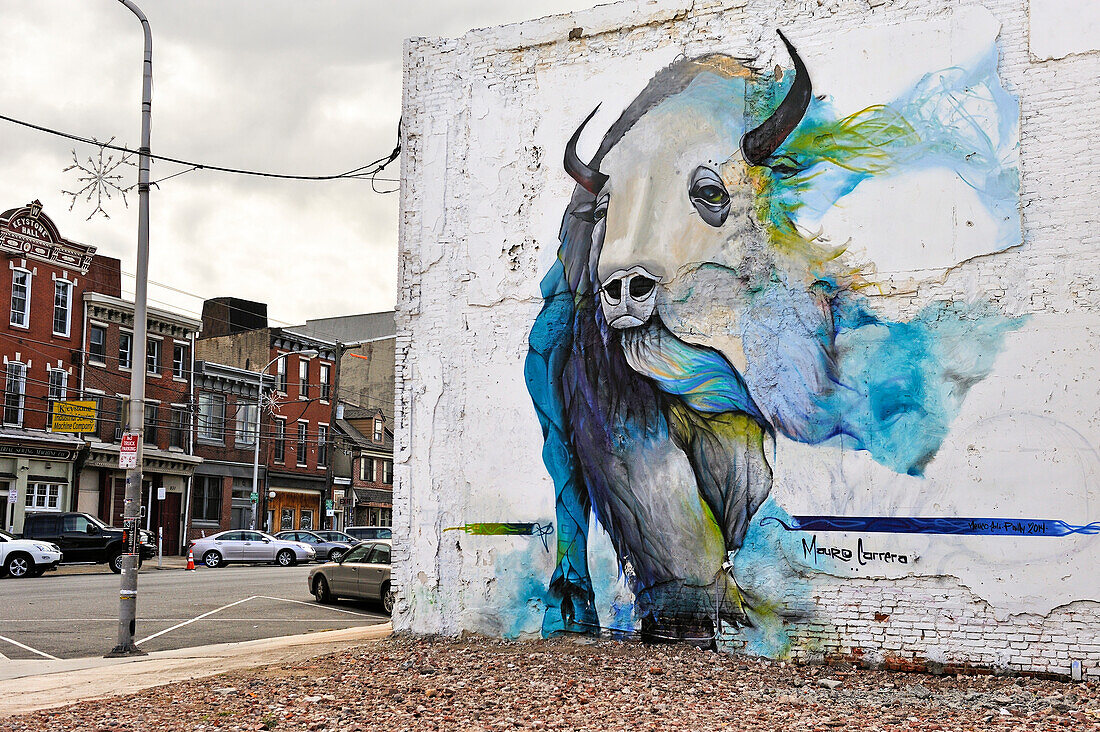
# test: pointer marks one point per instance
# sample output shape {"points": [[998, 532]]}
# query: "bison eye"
{"points": [[708, 194], [601, 209]]}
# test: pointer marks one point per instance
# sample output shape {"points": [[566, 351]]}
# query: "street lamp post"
{"points": [[131, 511], [310, 352]]}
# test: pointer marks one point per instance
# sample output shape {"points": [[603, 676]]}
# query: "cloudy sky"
{"points": [[275, 85]]}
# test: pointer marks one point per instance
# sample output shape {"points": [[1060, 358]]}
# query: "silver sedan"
{"points": [[363, 574], [249, 546]]}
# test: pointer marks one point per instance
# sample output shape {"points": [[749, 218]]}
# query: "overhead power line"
{"points": [[363, 172]]}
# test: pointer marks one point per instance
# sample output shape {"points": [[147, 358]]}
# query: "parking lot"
{"points": [[76, 615]]}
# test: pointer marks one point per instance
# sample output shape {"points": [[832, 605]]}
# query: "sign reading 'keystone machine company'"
{"points": [[76, 417]]}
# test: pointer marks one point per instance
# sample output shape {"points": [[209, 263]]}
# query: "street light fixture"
{"points": [[307, 352]]}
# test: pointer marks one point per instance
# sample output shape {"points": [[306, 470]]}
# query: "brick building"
{"points": [[226, 399], [295, 433], [168, 461], [367, 441], [41, 343]]}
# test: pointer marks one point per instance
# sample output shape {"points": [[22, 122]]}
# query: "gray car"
{"points": [[241, 545], [362, 574], [327, 551]]}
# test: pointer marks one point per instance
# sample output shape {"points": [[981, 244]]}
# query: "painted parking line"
{"points": [[192, 620], [322, 607], [28, 648], [367, 616]]}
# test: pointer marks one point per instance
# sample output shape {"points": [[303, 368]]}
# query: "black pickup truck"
{"points": [[84, 538]]}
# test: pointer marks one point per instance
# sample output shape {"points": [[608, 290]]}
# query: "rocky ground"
{"points": [[479, 684]]}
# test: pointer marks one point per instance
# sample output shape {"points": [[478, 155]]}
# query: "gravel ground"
{"points": [[480, 684]]}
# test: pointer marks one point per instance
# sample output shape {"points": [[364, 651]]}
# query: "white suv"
{"points": [[27, 557]]}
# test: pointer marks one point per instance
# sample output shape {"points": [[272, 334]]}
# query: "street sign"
{"points": [[328, 504], [162, 492], [127, 451], [74, 417], [255, 496]]}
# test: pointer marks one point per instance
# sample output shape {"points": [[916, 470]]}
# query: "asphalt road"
{"points": [[74, 616]]}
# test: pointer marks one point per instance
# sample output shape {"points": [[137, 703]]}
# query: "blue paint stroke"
{"points": [[920, 525]]}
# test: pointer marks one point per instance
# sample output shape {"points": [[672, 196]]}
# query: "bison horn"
{"points": [[759, 143], [589, 179]]}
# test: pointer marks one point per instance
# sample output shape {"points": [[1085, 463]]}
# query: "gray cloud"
{"points": [[280, 85]]}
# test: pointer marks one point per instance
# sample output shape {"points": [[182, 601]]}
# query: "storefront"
{"points": [[36, 473], [166, 477], [295, 502]]}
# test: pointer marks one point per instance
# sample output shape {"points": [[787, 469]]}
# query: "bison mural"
{"points": [[689, 321]]}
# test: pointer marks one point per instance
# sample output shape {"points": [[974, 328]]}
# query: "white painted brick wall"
{"points": [[472, 247]]}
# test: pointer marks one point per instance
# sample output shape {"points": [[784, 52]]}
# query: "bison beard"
{"points": [[638, 445]]}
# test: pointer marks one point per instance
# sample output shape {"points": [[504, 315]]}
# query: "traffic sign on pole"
{"points": [[127, 451]]}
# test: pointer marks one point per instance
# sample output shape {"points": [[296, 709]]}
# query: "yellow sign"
{"points": [[73, 417]]}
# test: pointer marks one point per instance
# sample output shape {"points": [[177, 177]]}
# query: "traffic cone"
{"points": [[190, 559]]}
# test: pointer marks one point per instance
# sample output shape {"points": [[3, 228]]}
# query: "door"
{"points": [[79, 539], [168, 521], [345, 576], [257, 548], [231, 546], [374, 572]]}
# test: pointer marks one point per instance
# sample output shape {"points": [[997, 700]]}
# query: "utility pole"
{"points": [[330, 452], [131, 511]]}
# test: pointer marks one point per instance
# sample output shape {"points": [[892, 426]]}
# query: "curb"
{"points": [[29, 686]]}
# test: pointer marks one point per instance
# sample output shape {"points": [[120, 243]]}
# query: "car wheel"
{"points": [[334, 555], [19, 565], [322, 592], [115, 563], [285, 558], [387, 599], [212, 559]]}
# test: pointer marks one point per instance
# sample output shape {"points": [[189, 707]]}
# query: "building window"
{"points": [[303, 378], [97, 343], [150, 427], [377, 430], [21, 298], [44, 496], [301, 456], [305, 522], [62, 306], [15, 389], [286, 519], [322, 445], [280, 440], [179, 361], [98, 399], [387, 472], [59, 381], [326, 372], [246, 423], [122, 418], [177, 436], [152, 356], [207, 498], [211, 416], [364, 468], [125, 350], [280, 374]]}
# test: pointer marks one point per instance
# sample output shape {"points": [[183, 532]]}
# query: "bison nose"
{"points": [[628, 297]]}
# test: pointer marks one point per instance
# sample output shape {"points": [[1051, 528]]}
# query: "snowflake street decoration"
{"points": [[99, 179], [271, 403]]}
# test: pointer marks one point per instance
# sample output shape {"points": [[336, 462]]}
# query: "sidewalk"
{"points": [[149, 565], [29, 685]]}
